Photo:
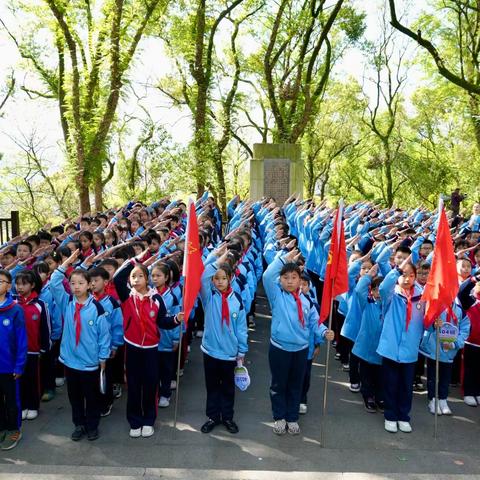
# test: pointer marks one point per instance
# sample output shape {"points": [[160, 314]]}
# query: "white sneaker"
{"points": [[135, 432], [147, 431], [199, 334], [354, 387], [345, 367], [391, 426], [431, 407], [24, 414], [444, 407], [164, 402], [173, 385], [303, 408], [404, 427], [478, 400], [31, 414], [293, 428], [280, 427], [470, 401], [60, 381], [180, 372]]}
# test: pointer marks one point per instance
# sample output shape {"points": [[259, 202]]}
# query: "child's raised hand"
{"points": [[71, 259], [289, 257], [329, 335], [438, 322], [405, 262], [373, 271], [89, 260]]}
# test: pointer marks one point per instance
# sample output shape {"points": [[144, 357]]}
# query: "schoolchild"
{"points": [[224, 342]]}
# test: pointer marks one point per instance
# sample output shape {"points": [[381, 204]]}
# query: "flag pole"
{"points": [[437, 351], [177, 393], [325, 385], [437, 369]]}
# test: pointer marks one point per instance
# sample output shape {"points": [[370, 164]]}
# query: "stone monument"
{"points": [[276, 170]]}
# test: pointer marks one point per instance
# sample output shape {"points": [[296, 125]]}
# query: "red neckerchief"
{"points": [[78, 321], [296, 296], [163, 290], [87, 253], [225, 309], [98, 297], [408, 295]]}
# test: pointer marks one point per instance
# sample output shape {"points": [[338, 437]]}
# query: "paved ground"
{"points": [[356, 442]]}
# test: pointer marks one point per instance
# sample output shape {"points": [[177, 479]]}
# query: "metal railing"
{"points": [[9, 227]]}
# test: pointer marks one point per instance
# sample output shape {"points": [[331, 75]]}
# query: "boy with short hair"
{"points": [[13, 356]]}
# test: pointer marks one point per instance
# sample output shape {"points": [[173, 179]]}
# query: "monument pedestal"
{"points": [[276, 170]]}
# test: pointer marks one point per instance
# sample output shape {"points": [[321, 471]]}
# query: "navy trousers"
{"points": [[444, 377], [220, 383], [84, 395], [398, 389], [371, 381], [288, 373], [142, 382]]}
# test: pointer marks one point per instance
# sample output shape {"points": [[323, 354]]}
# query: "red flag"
{"points": [[336, 275], [442, 284], [192, 262]]}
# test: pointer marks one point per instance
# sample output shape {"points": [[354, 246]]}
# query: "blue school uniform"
{"points": [[222, 341], [371, 323], [287, 332], [429, 341], [396, 341], [95, 339]]}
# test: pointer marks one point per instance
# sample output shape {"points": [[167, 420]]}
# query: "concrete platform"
{"points": [[356, 444]]}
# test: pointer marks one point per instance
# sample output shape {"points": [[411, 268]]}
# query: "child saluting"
{"points": [[293, 315]]}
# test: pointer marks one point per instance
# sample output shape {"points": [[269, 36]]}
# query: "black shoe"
{"points": [[231, 426], [381, 406], [92, 435], [209, 425], [78, 433], [370, 405]]}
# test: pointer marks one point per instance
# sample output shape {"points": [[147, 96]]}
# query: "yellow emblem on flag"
{"points": [[191, 248]]}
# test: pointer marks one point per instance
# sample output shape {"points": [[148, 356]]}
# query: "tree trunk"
{"points": [[474, 102], [201, 138], [84, 196], [222, 191], [388, 176], [310, 177], [98, 194]]}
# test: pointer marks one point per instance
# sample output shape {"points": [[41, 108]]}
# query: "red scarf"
{"points": [[78, 322], [296, 296], [99, 296], [408, 295], [225, 309], [163, 290]]}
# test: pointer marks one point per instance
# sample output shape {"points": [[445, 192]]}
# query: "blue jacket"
{"points": [[13, 337], [114, 315], [429, 341], [55, 314], [353, 315], [95, 338], [396, 342], [170, 338], [219, 340], [287, 333], [371, 323]]}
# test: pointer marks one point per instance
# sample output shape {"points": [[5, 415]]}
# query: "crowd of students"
{"points": [[98, 300]]}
